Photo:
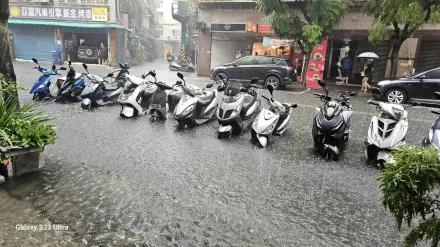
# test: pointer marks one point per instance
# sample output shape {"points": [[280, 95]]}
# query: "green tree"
{"points": [[404, 17], [410, 189], [306, 24], [6, 66]]}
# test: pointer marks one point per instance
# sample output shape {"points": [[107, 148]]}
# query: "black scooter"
{"points": [[72, 87], [331, 124]]}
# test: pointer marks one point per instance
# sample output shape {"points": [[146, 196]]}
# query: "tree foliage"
{"points": [[404, 17], [410, 189], [306, 24]]}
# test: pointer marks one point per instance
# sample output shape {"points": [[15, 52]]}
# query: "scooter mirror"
{"points": [[70, 63], [54, 67], [110, 75], [62, 68], [437, 95], [209, 85], [254, 80], [152, 73], [353, 94], [126, 65], [35, 60], [85, 66], [294, 106], [180, 75], [322, 83], [270, 88]]}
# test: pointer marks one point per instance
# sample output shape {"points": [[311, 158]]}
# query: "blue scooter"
{"points": [[40, 89], [72, 87]]}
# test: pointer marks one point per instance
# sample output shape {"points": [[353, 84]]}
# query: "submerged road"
{"points": [[116, 182]]}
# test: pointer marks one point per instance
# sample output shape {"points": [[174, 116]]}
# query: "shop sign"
{"points": [[59, 13], [99, 14], [315, 68], [276, 42], [265, 28], [228, 27], [252, 27]]}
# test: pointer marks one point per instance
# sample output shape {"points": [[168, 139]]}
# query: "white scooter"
{"points": [[386, 131], [272, 121], [434, 133], [238, 108], [132, 99], [195, 106]]}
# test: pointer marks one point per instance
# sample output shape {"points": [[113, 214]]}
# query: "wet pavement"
{"points": [[116, 182]]}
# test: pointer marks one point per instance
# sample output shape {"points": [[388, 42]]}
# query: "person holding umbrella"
{"points": [[368, 69], [367, 75]]}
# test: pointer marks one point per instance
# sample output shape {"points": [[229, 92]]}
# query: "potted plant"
{"points": [[24, 132]]}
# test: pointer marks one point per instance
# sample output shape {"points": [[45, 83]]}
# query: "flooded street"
{"points": [[115, 182]]}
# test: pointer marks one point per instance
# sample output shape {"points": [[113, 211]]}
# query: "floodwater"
{"points": [[113, 182]]}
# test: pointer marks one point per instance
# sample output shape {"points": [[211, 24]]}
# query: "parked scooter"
{"points": [[434, 133], [132, 99], [195, 106], [100, 92], [156, 96], [331, 124], [238, 108], [272, 121], [40, 89], [71, 88], [386, 131], [185, 66]]}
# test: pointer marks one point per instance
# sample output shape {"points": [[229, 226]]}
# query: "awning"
{"points": [[64, 23]]}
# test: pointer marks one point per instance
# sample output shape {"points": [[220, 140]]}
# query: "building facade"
{"points": [[170, 29], [40, 27], [237, 25]]}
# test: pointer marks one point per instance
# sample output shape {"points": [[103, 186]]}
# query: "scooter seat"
{"points": [[111, 87], [206, 98]]}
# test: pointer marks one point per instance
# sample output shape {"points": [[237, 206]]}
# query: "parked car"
{"points": [[88, 51], [416, 88], [276, 71]]}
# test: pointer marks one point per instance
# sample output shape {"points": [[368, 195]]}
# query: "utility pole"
{"points": [[181, 13]]}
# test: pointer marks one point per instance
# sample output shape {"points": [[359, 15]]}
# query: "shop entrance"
{"points": [[83, 47], [337, 51]]}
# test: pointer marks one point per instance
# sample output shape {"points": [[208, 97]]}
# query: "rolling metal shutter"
{"points": [[428, 57], [224, 51], [31, 41]]}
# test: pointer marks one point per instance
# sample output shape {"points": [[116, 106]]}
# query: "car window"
{"points": [[263, 60], [435, 74], [245, 61], [279, 61]]}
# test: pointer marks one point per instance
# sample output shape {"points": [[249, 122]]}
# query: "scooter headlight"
{"points": [[238, 108], [398, 113], [188, 110], [270, 128]]}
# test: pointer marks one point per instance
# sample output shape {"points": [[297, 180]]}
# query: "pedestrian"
{"points": [[345, 66], [238, 55], [256, 53], [169, 57], [367, 74], [102, 54]]}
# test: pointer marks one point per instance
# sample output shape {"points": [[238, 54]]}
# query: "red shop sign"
{"points": [[265, 28]]}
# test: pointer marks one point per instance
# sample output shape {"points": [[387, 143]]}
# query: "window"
{"points": [[245, 61], [279, 61], [263, 60], [435, 74]]}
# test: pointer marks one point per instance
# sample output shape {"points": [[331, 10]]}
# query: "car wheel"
{"points": [[272, 80], [224, 75], [396, 96]]}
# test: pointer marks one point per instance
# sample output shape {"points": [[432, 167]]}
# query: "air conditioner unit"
{"points": [[123, 6]]}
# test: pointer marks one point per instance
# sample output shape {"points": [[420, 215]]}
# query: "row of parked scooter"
{"points": [[237, 110]]}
